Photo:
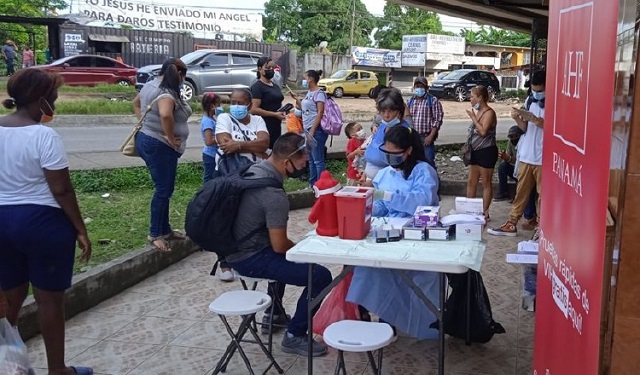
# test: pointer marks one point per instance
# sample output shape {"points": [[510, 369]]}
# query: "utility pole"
{"points": [[353, 24]]}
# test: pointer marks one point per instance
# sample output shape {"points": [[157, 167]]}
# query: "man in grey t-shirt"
{"points": [[263, 254]]}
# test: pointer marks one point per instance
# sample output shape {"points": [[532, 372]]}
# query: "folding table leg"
{"points": [[380, 361], [373, 363], [314, 302], [467, 340], [443, 292], [266, 352], [235, 344], [340, 365], [309, 321]]}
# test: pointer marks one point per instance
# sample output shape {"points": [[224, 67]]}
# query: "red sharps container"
{"points": [[354, 205]]}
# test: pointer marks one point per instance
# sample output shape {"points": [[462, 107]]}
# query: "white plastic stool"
{"points": [[358, 336], [277, 305], [244, 303]]}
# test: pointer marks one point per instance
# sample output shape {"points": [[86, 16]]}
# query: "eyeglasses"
{"points": [[307, 143], [381, 148]]}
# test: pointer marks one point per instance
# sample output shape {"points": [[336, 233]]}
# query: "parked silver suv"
{"points": [[211, 70]]}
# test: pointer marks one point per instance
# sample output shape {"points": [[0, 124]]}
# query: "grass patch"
{"points": [[99, 89], [99, 107], [119, 223]]}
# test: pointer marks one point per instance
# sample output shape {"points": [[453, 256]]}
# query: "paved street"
{"points": [[92, 141]]}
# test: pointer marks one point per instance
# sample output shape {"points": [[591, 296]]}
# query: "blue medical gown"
{"points": [[382, 291]]}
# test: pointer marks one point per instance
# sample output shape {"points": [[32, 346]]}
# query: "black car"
{"points": [[458, 84]]}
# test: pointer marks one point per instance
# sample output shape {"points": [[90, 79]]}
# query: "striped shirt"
{"points": [[427, 113]]}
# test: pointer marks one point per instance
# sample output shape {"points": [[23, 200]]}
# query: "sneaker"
{"points": [[279, 321], [507, 229], [299, 345], [501, 198], [226, 275], [536, 234]]}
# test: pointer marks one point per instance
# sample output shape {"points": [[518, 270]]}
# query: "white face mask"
{"points": [[476, 106], [361, 134]]}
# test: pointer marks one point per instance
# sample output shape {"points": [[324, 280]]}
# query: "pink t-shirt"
{"points": [[27, 57]]}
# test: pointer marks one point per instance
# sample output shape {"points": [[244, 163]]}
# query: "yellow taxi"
{"points": [[349, 82]]}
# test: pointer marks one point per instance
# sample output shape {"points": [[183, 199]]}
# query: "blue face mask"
{"points": [[419, 91], [537, 95], [305, 83], [297, 112], [391, 123], [219, 110], [238, 111]]}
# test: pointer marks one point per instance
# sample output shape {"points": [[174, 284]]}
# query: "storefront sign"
{"points": [[445, 44], [74, 42], [200, 21], [414, 43], [383, 58], [580, 81], [413, 58]]}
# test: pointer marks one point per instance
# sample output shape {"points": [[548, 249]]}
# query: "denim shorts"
{"points": [[37, 245]]}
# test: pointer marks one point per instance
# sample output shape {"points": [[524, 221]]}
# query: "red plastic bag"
{"points": [[335, 307]]}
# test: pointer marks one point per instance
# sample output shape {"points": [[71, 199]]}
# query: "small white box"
{"points": [[468, 232], [472, 206], [522, 258], [439, 233], [414, 233]]}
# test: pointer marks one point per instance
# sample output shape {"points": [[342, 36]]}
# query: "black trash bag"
{"points": [[483, 327]]}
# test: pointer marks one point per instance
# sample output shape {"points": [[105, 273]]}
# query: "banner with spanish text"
{"points": [[577, 138]]}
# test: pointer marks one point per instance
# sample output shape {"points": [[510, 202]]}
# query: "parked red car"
{"points": [[91, 70]]}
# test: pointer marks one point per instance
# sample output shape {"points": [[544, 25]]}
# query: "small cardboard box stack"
{"points": [[426, 225], [469, 206]]}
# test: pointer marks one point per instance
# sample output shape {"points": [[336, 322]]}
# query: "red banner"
{"points": [[577, 140]]}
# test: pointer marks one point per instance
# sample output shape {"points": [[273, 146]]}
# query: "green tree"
{"points": [[306, 23], [23, 34], [399, 20], [492, 35]]}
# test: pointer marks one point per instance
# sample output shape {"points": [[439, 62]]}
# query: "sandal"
{"points": [[176, 235], [159, 243], [487, 218]]}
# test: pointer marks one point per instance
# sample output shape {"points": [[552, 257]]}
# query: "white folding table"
{"points": [[435, 256]]}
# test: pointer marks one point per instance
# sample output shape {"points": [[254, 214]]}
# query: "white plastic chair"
{"points": [[358, 336], [244, 303]]}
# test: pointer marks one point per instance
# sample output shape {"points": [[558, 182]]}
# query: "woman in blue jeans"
{"points": [[312, 110], [161, 141]]}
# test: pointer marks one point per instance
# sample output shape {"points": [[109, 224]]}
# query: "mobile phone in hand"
{"points": [[285, 108]]}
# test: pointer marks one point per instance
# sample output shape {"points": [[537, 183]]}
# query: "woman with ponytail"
{"points": [[407, 183], [161, 142]]}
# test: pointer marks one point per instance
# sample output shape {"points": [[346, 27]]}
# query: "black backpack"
{"points": [[212, 212]]}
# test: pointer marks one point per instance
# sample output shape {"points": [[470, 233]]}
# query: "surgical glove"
{"points": [[381, 195]]}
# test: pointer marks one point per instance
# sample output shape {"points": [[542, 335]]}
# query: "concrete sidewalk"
{"points": [[162, 325]]}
